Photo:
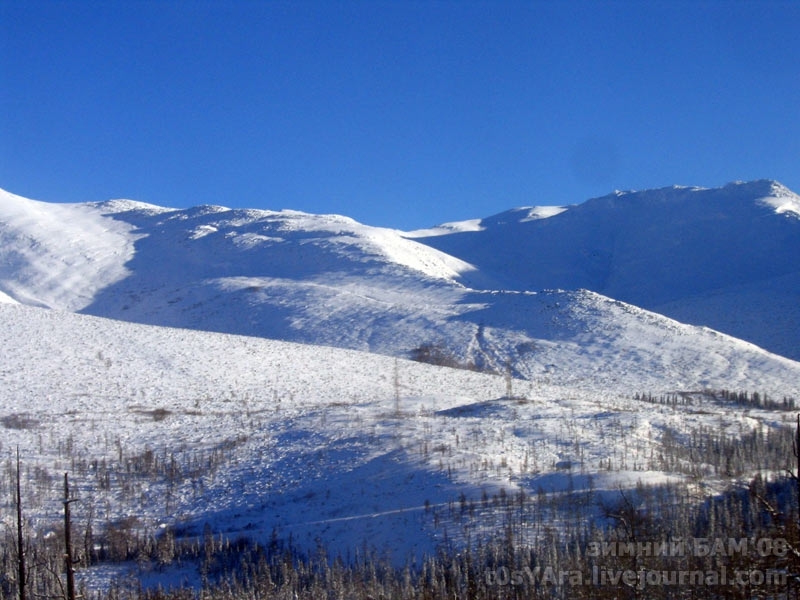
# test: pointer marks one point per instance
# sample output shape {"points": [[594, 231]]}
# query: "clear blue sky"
{"points": [[395, 113]]}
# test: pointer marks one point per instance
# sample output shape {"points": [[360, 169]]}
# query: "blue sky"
{"points": [[401, 113]]}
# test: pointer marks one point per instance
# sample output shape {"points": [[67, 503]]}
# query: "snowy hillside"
{"points": [[59, 255], [119, 364], [724, 258], [260, 438]]}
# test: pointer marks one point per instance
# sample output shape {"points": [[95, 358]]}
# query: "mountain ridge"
{"points": [[716, 257], [656, 248]]}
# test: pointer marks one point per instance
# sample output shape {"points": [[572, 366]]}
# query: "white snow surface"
{"points": [[7, 299], [722, 258], [59, 255], [679, 251], [783, 201], [520, 215], [341, 446]]}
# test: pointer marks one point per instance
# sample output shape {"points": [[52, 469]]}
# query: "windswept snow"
{"points": [[722, 258], [59, 255], [783, 201], [516, 215], [445, 228]]}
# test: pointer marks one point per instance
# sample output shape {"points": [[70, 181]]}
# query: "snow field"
{"points": [[315, 444]]}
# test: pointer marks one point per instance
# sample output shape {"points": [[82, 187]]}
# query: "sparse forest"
{"points": [[674, 539]]}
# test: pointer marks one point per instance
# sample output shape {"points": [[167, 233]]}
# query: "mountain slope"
{"points": [[263, 438], [59, 255], [177, 428], [724, 258], [188, 259]]}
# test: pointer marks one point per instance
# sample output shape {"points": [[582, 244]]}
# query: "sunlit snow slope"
{"points": [[723, 258], [314, 440], [59, 255], [336, 446]]}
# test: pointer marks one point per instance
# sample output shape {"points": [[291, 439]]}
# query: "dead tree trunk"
{"points": [[68, 542], [20, 539], [796, 475]]}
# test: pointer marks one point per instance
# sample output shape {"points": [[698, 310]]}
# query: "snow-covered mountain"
{"points": [[557, 310], [725, 258], [722, 258]]}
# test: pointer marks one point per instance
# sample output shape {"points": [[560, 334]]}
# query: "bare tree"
{"points": [[21, 574], [68, 542]]}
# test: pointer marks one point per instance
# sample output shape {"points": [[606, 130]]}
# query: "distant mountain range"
{"points": [[723, 258]]}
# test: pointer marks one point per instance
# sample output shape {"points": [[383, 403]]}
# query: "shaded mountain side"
{"points": [[725, 258]]}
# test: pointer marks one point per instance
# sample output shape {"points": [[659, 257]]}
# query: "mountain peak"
{"points": [[762, 187]]}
